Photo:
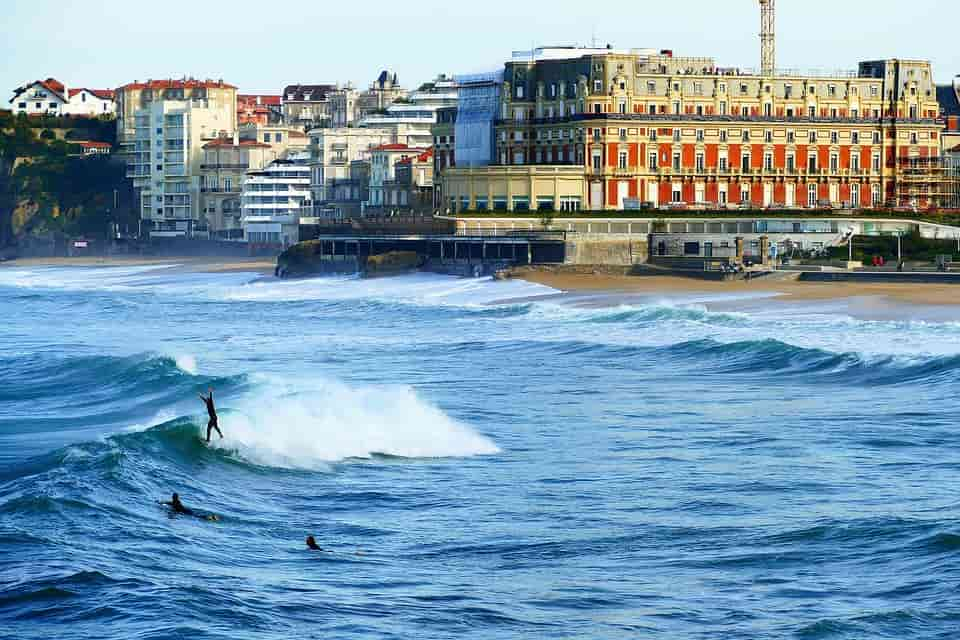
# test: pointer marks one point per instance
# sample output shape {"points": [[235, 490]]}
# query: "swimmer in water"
{"points": [[212, 412], [312, 544]]}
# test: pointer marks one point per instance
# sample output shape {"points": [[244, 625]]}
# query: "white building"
{"points": [[383, 164], [271, 203], [92, 103], [40, 97], [172, 121], [332, 151]]}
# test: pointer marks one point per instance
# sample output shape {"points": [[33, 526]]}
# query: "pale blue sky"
{"points": [[262, 46]]}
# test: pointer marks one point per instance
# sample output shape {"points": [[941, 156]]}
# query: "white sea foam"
{"points": [[417, 288], [187, 363], [78, 278], [308, 426]]}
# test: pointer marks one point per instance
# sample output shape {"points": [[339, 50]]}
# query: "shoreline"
{"points": [[203, 264], [781, 290], [597, 282]]}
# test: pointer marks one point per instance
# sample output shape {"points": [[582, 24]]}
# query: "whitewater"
{"points": [[482, 459]]}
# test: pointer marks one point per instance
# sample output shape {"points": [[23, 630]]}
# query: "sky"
{"points": [[262, 46]]}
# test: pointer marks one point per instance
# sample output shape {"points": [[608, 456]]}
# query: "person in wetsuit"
{"points": [[178, 507], [312, 544], [212, 411]]}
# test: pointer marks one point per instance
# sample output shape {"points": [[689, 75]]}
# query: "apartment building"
{"points": [[162, 127], [272, 200], [411, 190], [333, 150], [383, 164], [226, 162], [307, 105], [602, 129]]}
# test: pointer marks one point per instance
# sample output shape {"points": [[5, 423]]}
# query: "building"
{"points": [[383, 92], [444, 147], [90, 103], [272, 200], [349, 196], [344, 106], [307, 105], [333, 150], [283, 139], [259, 109], [644, 126], [411, 190], [226, 162], [478, 105], [40, 97], [162, 127], [949, 98], [383, 163]]}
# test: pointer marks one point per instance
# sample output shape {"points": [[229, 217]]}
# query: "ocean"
{"points": [[478, 459]]}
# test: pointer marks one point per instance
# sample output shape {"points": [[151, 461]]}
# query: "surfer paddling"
{"points": [[212, 411], [178, 507]]}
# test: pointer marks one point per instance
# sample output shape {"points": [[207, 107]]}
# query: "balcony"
{"points": [[233, 190], [225, 166]]}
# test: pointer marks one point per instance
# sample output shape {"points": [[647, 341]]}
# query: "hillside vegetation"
{"points": [[45, 188]]}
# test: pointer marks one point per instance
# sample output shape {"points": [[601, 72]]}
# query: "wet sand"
{"points": [[790, 290]]}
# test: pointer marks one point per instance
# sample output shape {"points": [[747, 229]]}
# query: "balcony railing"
{"points": [[238, 166]]}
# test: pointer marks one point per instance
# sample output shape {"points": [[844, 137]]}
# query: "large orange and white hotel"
{"points": [[606, 129]]}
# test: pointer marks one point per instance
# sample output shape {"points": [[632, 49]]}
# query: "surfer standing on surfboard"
{"points": [[212, 411]]}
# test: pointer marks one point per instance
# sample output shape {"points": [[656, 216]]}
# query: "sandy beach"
{"points": [[207, 264], [599, 282], [925, 294]]}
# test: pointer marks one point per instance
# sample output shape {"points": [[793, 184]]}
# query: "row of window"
{"points": [[53, 106], [745, 162], [520, 203], [812, 193], [697, 88]]}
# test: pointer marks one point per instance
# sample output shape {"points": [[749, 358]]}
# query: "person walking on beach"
{"points": [[212, 411]]}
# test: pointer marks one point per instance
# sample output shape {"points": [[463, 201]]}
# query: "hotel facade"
{"points": [[601, 129]]}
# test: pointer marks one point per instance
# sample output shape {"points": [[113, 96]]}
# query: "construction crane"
{"points": [[768, 38]]}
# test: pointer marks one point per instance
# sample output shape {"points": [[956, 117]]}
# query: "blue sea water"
{"points": [[482, 459]]}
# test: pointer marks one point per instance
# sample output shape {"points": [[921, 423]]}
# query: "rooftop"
{"points": [[103, 94], [220, 143], [187, 83]]}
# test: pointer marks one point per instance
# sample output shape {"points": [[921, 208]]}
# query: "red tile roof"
{"points": [[53, 86], [179, 84], [103, 94], [228, 142], [264, 100], [93, 144]]}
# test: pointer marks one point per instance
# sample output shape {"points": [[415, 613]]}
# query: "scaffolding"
{"points": [[928, 183]]}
